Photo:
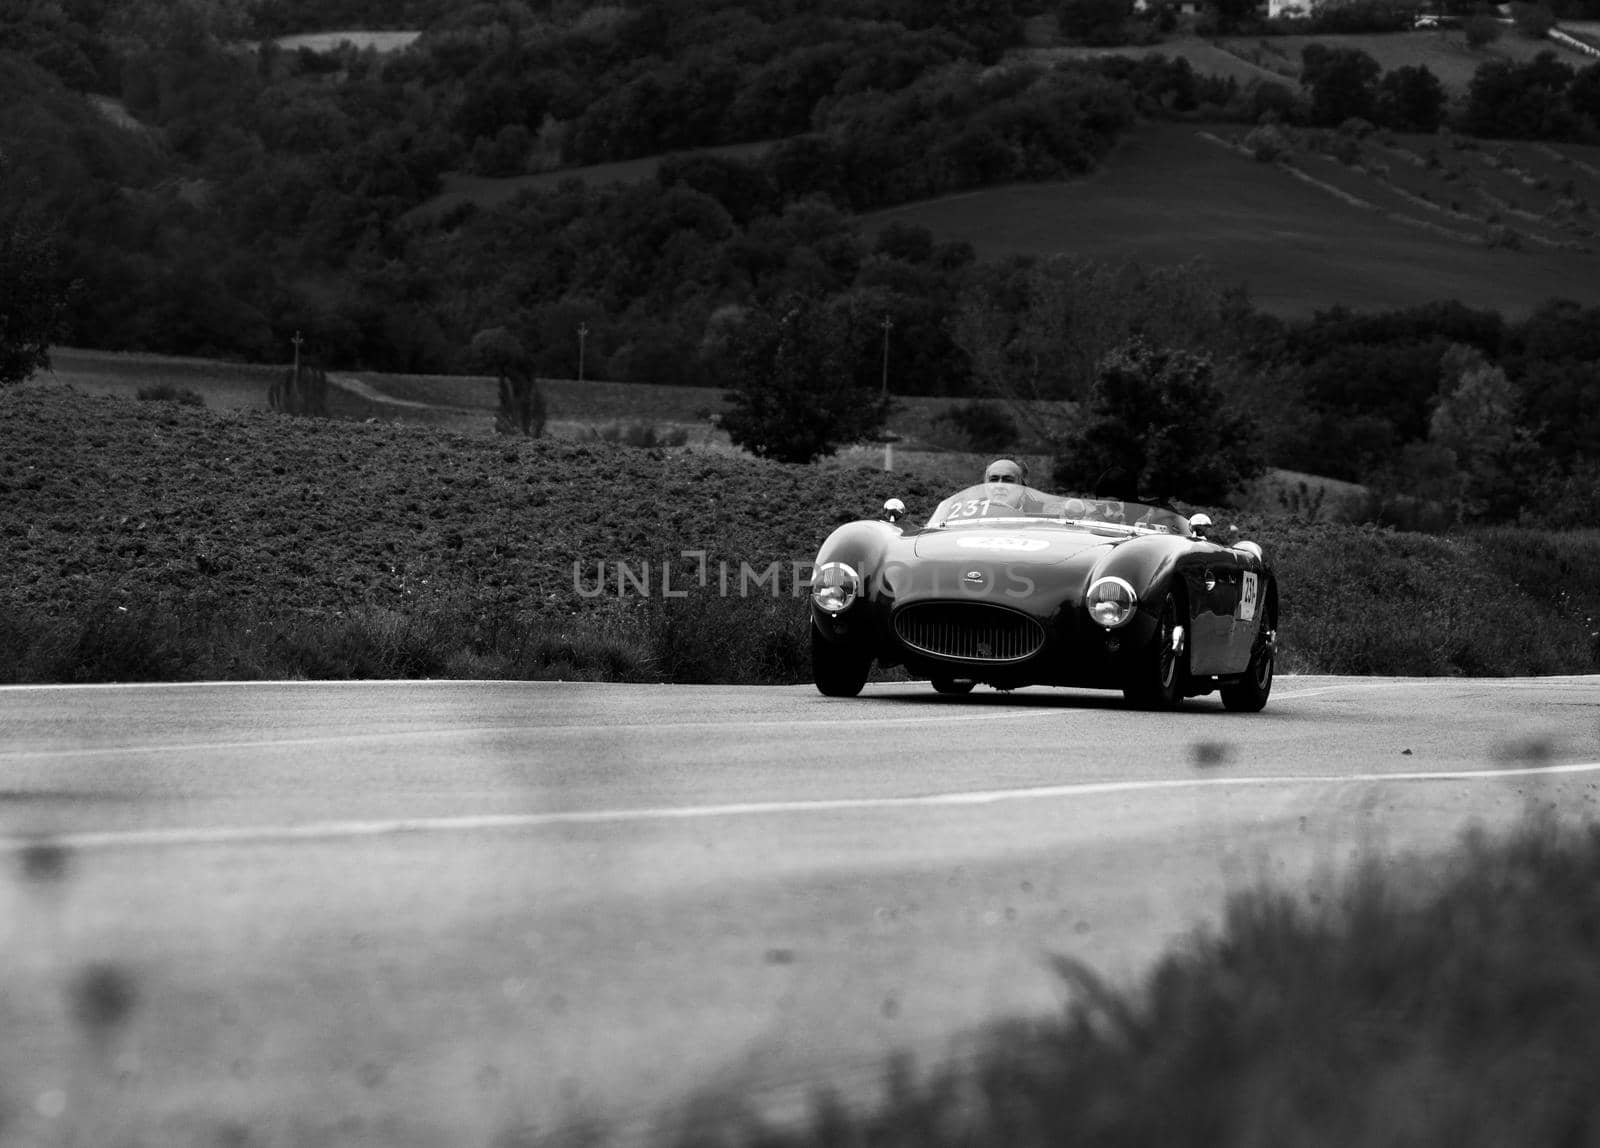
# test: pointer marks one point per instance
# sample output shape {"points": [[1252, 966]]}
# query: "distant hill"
{"points": [[1504, 226], [1417, 218]]}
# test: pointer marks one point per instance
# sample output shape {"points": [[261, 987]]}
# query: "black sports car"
{"points": [[1010, 586]]}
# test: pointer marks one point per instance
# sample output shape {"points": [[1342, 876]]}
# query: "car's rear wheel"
{"points": [[1161, 672], [1250, 692], [839, 669], [953, 685]]}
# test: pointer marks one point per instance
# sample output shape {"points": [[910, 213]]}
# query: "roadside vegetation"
{"points": [[158, 540], [1428, 1002]]}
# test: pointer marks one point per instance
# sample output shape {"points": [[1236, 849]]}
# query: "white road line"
{"points": [[321, 831], [589, 729]]}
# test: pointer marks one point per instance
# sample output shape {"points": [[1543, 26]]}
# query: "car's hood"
{"points": [[1028, 567], [1032, 545]]}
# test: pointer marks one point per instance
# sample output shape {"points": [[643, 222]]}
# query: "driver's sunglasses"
{"points": [[1001, 478]]}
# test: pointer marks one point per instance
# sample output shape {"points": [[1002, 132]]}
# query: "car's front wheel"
{"points": [[1161, 671], [953, 685], [1249, 694], [839, 669]]}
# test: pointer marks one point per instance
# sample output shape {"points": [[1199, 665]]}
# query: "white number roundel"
{"points": [[1009, 543]]}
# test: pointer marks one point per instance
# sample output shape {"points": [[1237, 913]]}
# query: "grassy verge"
{"points": [[166, 541], [1400, 1006], [697, 639]]}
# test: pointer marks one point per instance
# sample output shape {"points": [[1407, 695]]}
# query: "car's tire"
{"points": [[1161, 672], [1250, 693], [839, 669], [953, 685]]}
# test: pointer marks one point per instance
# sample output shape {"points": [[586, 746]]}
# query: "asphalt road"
{"points": [[484, 913]]}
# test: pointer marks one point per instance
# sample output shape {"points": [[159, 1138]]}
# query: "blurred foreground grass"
{"points": [[1446, 1005]]}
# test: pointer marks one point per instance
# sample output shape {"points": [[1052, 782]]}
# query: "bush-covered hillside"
{"points": [[222, 192], [159, 540]]}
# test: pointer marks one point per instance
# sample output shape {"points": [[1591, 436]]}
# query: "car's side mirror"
{"points": [[894, 510]]}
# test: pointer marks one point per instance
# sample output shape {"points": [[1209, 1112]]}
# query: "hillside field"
{"points": [[1389, 232], [149, 540]]}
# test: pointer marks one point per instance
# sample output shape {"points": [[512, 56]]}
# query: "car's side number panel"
{"points": [[1246, 620]]}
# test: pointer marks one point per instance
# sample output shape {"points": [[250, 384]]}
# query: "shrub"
{"points": [[1268, 143], [168, 393], [522, 408], [639, 434], [729, 640], [300, 390]]}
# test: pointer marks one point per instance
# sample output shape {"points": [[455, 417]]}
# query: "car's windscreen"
{"points": [[990, 502]]}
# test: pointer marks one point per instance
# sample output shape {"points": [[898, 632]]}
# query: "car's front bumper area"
{"points": [[996, 645]]}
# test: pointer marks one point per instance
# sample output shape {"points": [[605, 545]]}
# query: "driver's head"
{"points": [[1004, 470]]}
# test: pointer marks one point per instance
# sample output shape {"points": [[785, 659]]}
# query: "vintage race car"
{"points": [[1010, 586]]}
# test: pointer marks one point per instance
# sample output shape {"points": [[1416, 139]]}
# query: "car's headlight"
{"points": [[1111, 602], [834, 586]]}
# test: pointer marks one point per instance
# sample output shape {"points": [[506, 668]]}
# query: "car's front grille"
{"points": [[971, 631]]}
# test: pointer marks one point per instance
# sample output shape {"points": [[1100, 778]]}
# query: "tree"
{"points": [[1481, 29], [1476, 422], [1583, 95], [1156, 414], [795, 395], [33, 293], [498, 352], [1342, 83], [1507, 100], [1410, 99]]}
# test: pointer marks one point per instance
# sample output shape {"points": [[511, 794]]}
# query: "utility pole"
{"points": [[583, 337], [883, 394], [887, 325]]}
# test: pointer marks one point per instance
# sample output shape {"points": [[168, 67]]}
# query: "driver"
{"points": [[1007, 483]]}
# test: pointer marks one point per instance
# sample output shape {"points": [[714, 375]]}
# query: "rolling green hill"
{"points": [[1390, 232]]}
